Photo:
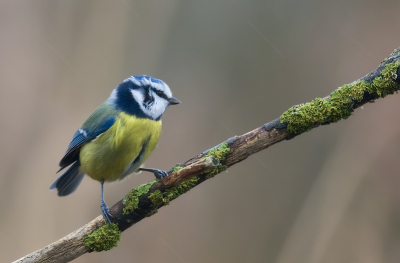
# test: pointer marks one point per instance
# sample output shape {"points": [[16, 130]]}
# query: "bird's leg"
{"points": [[104, 208], [157, 173]]}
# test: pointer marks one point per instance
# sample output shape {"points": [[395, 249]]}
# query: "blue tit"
{"points": [[117, 137]]}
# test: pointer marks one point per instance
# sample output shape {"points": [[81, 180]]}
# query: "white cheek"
{"points": [[158, 107], [138, 96]]}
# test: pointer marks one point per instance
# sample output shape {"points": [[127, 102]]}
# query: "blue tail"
{"points": [[69, 181]]}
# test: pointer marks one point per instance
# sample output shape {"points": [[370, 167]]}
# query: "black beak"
{"points": [[173, 101]]}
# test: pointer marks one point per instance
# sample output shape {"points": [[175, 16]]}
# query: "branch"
{"points": [[144, 201]]}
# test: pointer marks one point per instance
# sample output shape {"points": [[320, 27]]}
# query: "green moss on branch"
{"points": [[104, 238], [339, 105], [131, 200], [163, 198], [177, 168], [159, 197], [220, 152]]}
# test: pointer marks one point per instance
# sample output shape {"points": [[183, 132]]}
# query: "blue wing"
{"points": [[81, 137]]}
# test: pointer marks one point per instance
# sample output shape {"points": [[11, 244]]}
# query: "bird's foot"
{"points": [[160, 173], [157, 173], [106, 212]]}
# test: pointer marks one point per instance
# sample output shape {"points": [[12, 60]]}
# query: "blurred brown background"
{"points": [[330, 195]]}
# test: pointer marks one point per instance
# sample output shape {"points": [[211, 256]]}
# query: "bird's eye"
{"points": [[160, 93]]}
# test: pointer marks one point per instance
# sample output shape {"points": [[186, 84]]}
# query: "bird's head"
{"points": [[142, 96]]}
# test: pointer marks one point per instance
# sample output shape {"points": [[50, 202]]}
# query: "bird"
{"points": [[117, 137]]}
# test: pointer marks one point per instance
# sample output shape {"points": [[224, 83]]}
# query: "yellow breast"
{"points": [[111, 154]]}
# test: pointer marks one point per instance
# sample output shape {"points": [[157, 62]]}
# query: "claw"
{"points": [[106, 212], [160, 173]]}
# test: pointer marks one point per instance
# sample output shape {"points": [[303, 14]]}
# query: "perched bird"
{"points": [[118, 137]]}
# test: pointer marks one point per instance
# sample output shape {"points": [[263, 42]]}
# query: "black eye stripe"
{"points": [[160, 94]]}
